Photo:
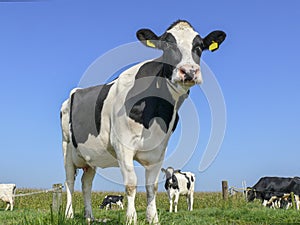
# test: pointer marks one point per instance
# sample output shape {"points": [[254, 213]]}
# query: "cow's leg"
{"points": [[7, 206], [120, 204], [176, 201], [152, 173], [70, 179], [188, 200], [87, 180], [11, 204], [171, 200], [191, 201], [130, 182]]}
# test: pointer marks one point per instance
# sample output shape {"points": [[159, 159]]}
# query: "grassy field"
{"points": [[209, 208]]}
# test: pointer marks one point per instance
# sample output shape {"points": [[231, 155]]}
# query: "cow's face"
{"points": [[250, 194], [168, 172], [182, 48]]}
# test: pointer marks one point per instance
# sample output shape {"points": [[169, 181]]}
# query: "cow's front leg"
{"points": [[87, 180], [152, 173], [130, 181], [176, 201]]}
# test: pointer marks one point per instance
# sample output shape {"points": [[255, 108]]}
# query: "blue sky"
{"points": [[46, 46]]}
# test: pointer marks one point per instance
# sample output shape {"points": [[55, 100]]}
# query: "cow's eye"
{"points": [[197, 49], [170, 45]]}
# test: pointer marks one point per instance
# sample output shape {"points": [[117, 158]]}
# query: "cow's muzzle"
{"points": [[190, 74]]}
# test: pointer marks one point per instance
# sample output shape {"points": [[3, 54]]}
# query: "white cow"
{"points": [[179, 183], [133, 117], [7, 192]]}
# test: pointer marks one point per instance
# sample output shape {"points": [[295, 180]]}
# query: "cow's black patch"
{"points": [[85, 112], [188, 183], [171, 55], [197, 49], [99, 105], [171, 182], [71, 122], [149, 98]]}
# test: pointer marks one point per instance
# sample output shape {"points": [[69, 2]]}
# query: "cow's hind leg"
{"points": [[188, 200], [70, 179], [87, 180], [191, 201], [7, 206], [152, 173]]}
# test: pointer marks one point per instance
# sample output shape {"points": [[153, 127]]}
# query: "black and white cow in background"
{"points": [[133, 117], [179, 183], [272, 189], [112, 199]]}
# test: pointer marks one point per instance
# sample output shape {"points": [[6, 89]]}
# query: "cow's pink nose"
{"points": [[189, 72]]}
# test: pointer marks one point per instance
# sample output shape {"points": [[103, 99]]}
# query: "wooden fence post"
{"points": [[56, 197], [293, 200], [225, 189]]}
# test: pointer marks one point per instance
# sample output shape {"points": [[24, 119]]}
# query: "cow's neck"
{"points": [[178, 92]]}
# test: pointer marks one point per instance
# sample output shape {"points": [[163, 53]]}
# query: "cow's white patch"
{"points": [[95, 156]]}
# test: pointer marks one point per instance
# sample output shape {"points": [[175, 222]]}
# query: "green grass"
{"points": [[209, 208]]}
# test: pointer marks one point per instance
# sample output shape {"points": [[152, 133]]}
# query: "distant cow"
{"points": [[112, 199], [133, 117], [267, 189], [179, 183], [7, 192]]}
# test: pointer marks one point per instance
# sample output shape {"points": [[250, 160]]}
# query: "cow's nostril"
{"points": [[182, 71]]}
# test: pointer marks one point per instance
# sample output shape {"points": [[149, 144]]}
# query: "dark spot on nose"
{"points": [[188, 77]]}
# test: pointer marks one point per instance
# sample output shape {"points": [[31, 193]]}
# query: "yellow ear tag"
{"points": [[213, 46], [150, 44]]}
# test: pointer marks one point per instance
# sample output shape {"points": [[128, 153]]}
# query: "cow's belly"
{"points": [[95, 153]]}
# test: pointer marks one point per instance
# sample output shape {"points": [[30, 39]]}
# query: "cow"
{"points": [[132, 117], [7, 193], [271, 189], [179, 183], [112, 199]]}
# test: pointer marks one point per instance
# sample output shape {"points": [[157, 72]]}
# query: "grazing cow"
{"points": [[269, 189], [179, 183], [133, 117], [112, 199], [7, 192]]}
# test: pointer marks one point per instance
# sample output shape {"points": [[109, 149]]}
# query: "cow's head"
{"points": [[169, 172], [250, 193], [182, 47]]}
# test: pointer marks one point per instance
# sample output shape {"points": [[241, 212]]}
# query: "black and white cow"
{"points": [[133, 117], [271, 189], [112, 199], [179, 183]]}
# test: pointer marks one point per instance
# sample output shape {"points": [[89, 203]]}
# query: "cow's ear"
{"points": [[148, 38], [213, 40], [163, 170]]}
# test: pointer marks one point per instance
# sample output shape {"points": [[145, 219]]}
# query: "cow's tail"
{"points": [[65, 120]]}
